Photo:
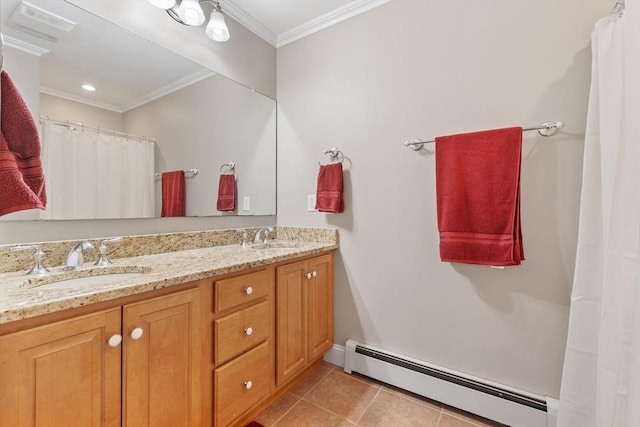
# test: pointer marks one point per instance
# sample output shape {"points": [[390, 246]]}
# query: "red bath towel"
{"points": [[330, 191], [226, 193], [174, 201], [21, 177], [478, 197]]}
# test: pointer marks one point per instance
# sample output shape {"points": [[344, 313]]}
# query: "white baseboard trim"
{"points": [[335, 355]]}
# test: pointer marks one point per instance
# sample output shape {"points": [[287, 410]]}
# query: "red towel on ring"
{"points": [[174, 195], [21, 177], [330, 190], [478, 197], [226, 193]]}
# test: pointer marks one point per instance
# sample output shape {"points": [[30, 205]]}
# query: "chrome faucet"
{"points": [[265, 233], [103, 260], [244, 238], [38, 258], [75, 258]]}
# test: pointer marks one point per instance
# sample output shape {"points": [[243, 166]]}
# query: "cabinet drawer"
{"points": [[238, 332], [241, 383], [241, 289]]}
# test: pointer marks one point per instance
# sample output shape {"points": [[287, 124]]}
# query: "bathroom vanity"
{"points": [[202, 337]]}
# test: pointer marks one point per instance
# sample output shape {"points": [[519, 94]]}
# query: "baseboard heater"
{"points": [[490, 400]]}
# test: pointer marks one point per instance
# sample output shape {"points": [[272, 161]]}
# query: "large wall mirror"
{"points": [[197, 119]]}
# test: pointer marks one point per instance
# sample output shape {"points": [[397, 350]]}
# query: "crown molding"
{"points": [[80, 99], [166, 90], [177, 85], [343, 13], [24, 46], [248, 21]]}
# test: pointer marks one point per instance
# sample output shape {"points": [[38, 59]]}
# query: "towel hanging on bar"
{"points": [[545, 129]]}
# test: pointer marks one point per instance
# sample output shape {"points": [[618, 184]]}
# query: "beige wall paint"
{"points": [[64, 109], [413, 69], [233, 124]]}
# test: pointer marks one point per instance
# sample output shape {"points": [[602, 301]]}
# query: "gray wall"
{"points": [[420, 69]]}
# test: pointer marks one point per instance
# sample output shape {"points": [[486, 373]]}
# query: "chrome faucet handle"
{"points": [[38, 258], [245, 238], [103, 260], [265, 233], [75, 258]]}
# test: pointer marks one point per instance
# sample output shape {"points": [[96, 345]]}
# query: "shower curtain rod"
{"points": [[98, 129], [545, 129]]}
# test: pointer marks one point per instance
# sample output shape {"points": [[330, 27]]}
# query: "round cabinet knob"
{"points": [[308, 275], [248, 384], [314, 274], [115, 340], [136, 333], [248, 331], [248, 290]]}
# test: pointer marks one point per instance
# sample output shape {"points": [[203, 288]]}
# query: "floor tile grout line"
{"points": [[401, 393], [317, 382], [328, 410], [440, 416], [368, 406], [287, 411]]}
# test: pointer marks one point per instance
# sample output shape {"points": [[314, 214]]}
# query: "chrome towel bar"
{"points": [[545, 129]]}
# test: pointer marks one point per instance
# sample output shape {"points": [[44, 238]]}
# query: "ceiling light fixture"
{"points": [[189, 12], [88, 87]]}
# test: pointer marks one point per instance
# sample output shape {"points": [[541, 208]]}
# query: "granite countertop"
{"points": [[21, 297]]}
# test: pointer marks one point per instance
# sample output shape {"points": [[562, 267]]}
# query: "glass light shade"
{"points": [[191, 13], [163, 4], [216, 28]]}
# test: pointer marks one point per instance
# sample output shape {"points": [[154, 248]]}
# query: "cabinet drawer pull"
{"points": [[136, 334], [248, 384], [308, 275], [248, 290], [115, 340], [248, 331], [314, 274]]}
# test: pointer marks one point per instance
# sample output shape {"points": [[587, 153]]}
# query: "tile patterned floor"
{"points": [[328, 397]]}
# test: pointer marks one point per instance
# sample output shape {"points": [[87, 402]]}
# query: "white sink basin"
{"points": [[276, 245], [100, 279], [95, 276]]}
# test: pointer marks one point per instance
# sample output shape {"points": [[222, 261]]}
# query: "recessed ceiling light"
{"points": [[88, 87]]}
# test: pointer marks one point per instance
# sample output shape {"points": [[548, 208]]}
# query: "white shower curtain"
{"points": [[601, 377], [91, 175]]}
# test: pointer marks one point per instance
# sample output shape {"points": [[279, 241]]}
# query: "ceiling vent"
{"points": [[39, 22]]}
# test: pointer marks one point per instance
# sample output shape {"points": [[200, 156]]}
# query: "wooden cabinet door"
{"points": [[162, 367], [62, 374], [320, 305], [291, 320]]}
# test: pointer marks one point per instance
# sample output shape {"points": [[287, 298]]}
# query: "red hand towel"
{"points": [[174, 202], [226, 193], [329, 193], [478, 197], [21, 176]]}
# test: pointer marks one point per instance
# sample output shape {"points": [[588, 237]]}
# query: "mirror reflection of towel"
{"points": [[478, 197], [330, 192], [21, 177], [174, 202], [226, 193]]}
